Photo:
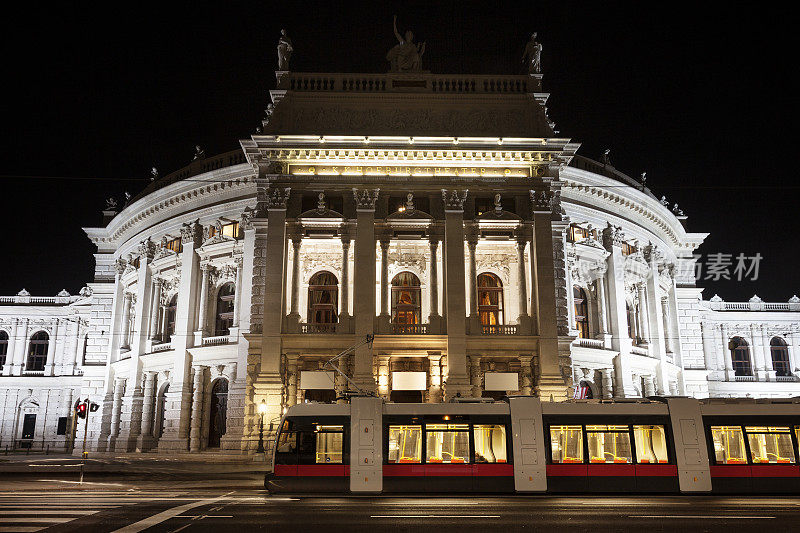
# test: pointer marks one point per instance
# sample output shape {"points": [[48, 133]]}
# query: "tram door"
{"points": [[219, 412], [366, 445], [527, 426]]}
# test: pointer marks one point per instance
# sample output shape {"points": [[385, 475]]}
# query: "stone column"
{"points": [[642, 314], [434, 279], [202, 327], [472, 245], [70, 368], [197, 409], [523, 286], [435, 389], [608, 383], [475, 376], [55, 342], [178, 399], [602, 308], [237, 298], [726, 353], [126, 320], [364, 289], [649, 386], [527, 377], [145, 440], [709, 348], [294, 311], [665, 319], [116, 411], [618, 316], [550, 382], [344, 304], [385, 278], [291, 388], [455, 284], [655, 320], [158, 283]]}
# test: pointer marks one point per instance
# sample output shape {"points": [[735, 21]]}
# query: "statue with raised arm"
{"points": [[406, 56], [532, 56], [285, 50]]}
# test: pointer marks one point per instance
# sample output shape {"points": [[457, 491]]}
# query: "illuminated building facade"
{"points": [[441, 214]]}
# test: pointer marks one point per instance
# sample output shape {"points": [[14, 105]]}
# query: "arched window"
{"points": [[581, 312], [225, 297], [406, 299], [780, 357], [323, 297], [740, 356], [490, 299], [169, 318], [3, 347], [37, 351]]}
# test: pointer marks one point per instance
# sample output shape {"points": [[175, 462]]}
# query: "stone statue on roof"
{"points": [[406, 56], [285, 50], [532, 56]]}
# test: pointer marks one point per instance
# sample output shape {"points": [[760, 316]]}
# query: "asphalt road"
{"points": [[235, 502]]}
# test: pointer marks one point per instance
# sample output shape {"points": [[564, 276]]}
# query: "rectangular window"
{"points": [[175, 245], [329, 444], [61, 429], [651, 444], [405, 444], [447, 443], [231, 230], [490, 443], [770, 445], [566, 444], [728, 445], [609, 444]]}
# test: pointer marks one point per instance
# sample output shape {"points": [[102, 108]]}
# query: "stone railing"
{"points": [[409, 329], [318, 328], [38, 300], [590, 343], [216, 341], [162, 347], [510, 329], [640, 350], [756, 304], [409, 82], [785, 378], [33, 372], [744, 378]]}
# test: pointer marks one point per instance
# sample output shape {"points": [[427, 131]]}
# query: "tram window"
{"points": [[287, 442], [728, 445], [566, 444], [405, 444], [490, 443], [447, 443], [329, 444], [770, 445], [609, 444], [651, 444]]}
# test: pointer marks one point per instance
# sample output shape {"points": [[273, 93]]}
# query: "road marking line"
{"points": [[705, 517], [42, 519], [7, 512], [166, 515], [434, 516], [21, 529], [193, 517]]}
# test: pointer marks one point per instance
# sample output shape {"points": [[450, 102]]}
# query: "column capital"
{"points": [[385, 243], [119, 266], [365, 198], [454, 199], [346, 240], [433, 241], [613, 236], [147, 249], [297, 241], [191, 233], [276, 198]]}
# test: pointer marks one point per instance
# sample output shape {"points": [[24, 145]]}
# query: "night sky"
{"points": [[698, 95]]}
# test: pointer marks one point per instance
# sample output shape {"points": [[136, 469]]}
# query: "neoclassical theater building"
{"points": [[442, 214]]}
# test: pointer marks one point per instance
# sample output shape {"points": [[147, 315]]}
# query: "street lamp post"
{"points": [[262, 410]]}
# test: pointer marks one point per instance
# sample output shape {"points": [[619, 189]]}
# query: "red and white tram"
{"points": [[527, 446]]}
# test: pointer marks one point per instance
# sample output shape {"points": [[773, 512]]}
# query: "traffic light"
{"points": [[80, 410]]}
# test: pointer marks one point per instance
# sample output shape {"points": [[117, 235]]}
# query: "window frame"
{"points": [[33, 342], [490, 309], [580, 311], [782, 348], [742, 347], [225, 317], [742, 421], [328, 307], [413, 310], [4, 344]]}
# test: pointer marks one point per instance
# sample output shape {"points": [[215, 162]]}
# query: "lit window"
{"points": [[405, 444], [490, 443], [651, 444], [329, 444], [490, 300], [628, 249], [581, 312], [231, 230], [728, 445], [566, 444], [323, 297], [175, 245], [447, 443], [770, 445], [225, 305], [609, 444], [405, 300]]}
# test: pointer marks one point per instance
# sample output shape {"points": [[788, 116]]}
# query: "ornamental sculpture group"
{"points": [[406, 55]]}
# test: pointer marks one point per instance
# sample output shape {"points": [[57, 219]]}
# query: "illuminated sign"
{"points": [[396, 170]]}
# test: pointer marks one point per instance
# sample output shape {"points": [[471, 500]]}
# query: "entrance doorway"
{"points": [[219, 412], [406, 396], [161, 413], [28, 426]]}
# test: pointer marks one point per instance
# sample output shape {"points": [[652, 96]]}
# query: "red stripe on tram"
{"points": [[776, 470], [656, 470], [321, 470], [730, 471]]}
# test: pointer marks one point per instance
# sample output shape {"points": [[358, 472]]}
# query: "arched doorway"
{"points": [[405, 302], [219, 412], [161, 412]]}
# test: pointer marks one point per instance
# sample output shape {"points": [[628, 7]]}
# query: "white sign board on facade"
{"points": [[409, 381], [316, 380], [501, 381]]}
